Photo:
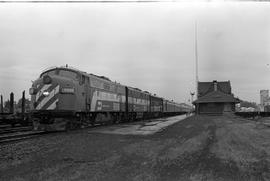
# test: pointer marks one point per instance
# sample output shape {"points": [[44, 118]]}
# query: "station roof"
{"points": [[217, 96], [207, 87]]}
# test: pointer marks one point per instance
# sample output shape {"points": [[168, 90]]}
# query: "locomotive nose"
{"points": [[47, 79]]}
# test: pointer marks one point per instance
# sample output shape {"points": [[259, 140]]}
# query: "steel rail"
{"points": [[22, 136], [16, 129]]}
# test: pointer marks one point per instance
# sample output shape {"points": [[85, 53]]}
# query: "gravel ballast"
{"points": [[196, 148]]}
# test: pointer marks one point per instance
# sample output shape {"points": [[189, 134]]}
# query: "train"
{"points": [[64, 98]]}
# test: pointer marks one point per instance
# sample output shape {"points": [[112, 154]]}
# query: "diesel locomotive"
{"points": [[66, 98]]}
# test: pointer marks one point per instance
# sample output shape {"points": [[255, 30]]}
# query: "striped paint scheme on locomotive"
{"points": [[47, 97]]}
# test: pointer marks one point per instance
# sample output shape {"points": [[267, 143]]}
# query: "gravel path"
{"points": [[196, 148]]}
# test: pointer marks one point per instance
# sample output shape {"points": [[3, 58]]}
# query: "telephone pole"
{"points": [[192, 94], [196, 59]]}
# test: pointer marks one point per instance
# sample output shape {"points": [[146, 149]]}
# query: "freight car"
{"points": [[66, 98]]}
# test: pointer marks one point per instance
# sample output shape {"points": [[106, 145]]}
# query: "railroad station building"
{"points": [[215, 98]]}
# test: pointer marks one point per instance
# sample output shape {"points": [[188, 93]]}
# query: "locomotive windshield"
{"points": [[61, 72], [69, 74]]}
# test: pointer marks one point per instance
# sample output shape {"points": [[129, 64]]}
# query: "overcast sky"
{"points": [[144, 45]]}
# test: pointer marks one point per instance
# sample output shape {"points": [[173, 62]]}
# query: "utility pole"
{"points": [[23, 102], [11, 108], [192, 94], [196, 59], [2, 106]]}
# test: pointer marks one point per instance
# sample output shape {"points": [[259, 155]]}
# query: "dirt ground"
{"points": [[216, 148]]}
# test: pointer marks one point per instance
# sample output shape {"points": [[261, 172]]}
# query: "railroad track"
{"points": [[22, 133], [8, 135], [6, 138], [12, 130]]}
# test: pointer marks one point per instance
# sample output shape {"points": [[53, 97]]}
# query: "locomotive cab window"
{"points": [[63, 73], [69, 74]]}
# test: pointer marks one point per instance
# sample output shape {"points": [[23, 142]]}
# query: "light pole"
{"points": [[196, 59], [192, 94]]}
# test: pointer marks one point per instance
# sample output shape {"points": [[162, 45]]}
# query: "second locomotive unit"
{"points": [[65, 98]]}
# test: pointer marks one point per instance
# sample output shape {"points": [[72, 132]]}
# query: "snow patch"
{"points": [[145, 129]]}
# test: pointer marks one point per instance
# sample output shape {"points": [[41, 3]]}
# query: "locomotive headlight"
{"points": [[46, 93], [67, 90]]}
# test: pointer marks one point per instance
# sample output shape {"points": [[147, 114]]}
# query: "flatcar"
{"points": [[66, 98]]}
